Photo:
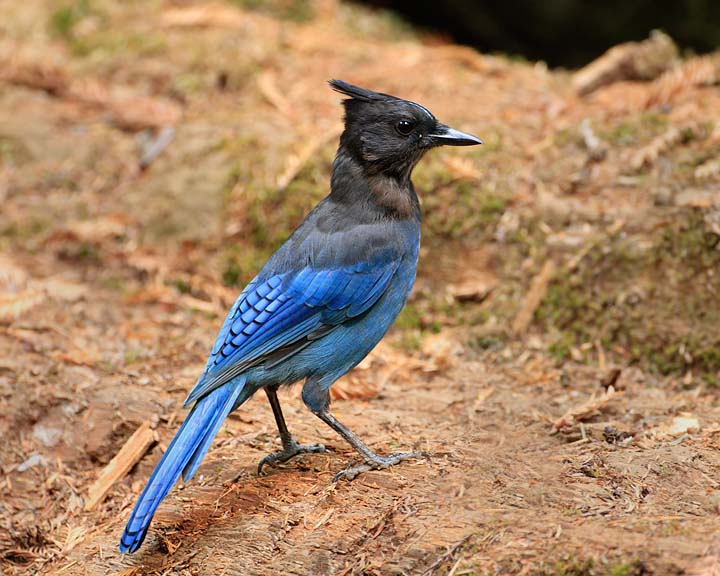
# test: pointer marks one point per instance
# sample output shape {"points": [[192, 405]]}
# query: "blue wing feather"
{"points": [[287, 309]]}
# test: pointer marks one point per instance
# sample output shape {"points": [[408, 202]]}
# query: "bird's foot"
{"points": [[377, 463], [288, 452]]}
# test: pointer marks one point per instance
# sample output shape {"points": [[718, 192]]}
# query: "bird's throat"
{"points": [[392, 194]]}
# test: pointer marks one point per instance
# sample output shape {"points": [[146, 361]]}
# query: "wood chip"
{"points": [[534, 297], [630, 61], [130, 454], [582, 412]]}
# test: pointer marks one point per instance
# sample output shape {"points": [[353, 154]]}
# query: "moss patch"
{"points": [[649, 304]]}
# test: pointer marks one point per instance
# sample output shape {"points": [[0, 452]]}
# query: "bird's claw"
{"points": [[289, 452], [376, 464]]}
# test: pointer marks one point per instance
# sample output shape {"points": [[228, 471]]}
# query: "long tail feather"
{"points": [[190, 443]]}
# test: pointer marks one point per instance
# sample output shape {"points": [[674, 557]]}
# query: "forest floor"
{"points": [[558, 362]]}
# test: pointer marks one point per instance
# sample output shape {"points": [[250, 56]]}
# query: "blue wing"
{"points": [[278, 316]]}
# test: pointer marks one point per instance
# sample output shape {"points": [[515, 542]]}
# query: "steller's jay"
{"points": [[323, 300]]}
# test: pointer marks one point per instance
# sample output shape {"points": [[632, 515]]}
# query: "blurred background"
{"points": [[565, 318], [567, 33]]}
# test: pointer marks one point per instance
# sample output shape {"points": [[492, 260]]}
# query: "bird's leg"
{"points": [[317, 397], [372, 461], [290, 447]]}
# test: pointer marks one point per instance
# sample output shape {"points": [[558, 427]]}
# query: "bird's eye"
{"points": [[404, 127]]}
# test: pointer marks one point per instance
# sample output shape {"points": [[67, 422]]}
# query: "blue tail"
{"points": [[183, 455]]}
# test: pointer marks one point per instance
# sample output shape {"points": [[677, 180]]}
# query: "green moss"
{"points": [[115, 283], [485, 342], [627, 299], [13, 151], [182, 286], [627, 569], [232, 274], [378, 23], [293, 10], [462, 209], [134, 354], [636, 130], [576, 568], [110, 43], [64, 20], [409, 318], [589, 567]]}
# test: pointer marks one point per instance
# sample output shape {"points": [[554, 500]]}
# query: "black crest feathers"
{"points": [[356, 92]]}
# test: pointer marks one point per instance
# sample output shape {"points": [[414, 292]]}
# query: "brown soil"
{"points": [[111, 291]]}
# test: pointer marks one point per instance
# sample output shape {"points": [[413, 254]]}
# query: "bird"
{"points": [[323, 301]]}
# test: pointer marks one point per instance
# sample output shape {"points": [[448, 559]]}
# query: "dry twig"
{"points": [[534, 298], [449, 554]]}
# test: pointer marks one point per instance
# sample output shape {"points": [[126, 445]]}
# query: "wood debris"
{"points": [[586, 409], [644, 60], [210, 15], [12, 306], [472, 290], [649, 154], [698, 198], [679, 426], [534, 297], [596, 149], [154, 147], [126, 110], [129, 455], [707, 170], [699, 71], [17, 293]]}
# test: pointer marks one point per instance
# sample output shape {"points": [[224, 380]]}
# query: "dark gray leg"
{"points": [[290, 447], [318, 400]]}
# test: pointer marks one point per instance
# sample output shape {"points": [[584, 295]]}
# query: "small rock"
{"points": [[34, 460], [48, 436]]}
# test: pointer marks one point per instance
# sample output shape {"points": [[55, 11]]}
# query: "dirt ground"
{"points": [[153, 154]]}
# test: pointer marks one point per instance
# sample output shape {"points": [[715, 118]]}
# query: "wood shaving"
{"points": [[585, 410], [129, 455]]}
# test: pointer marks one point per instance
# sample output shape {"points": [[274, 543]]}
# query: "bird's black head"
{"points": [[388, 134]]}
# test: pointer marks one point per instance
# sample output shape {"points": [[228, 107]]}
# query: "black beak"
{"points": [[446, 136]]}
